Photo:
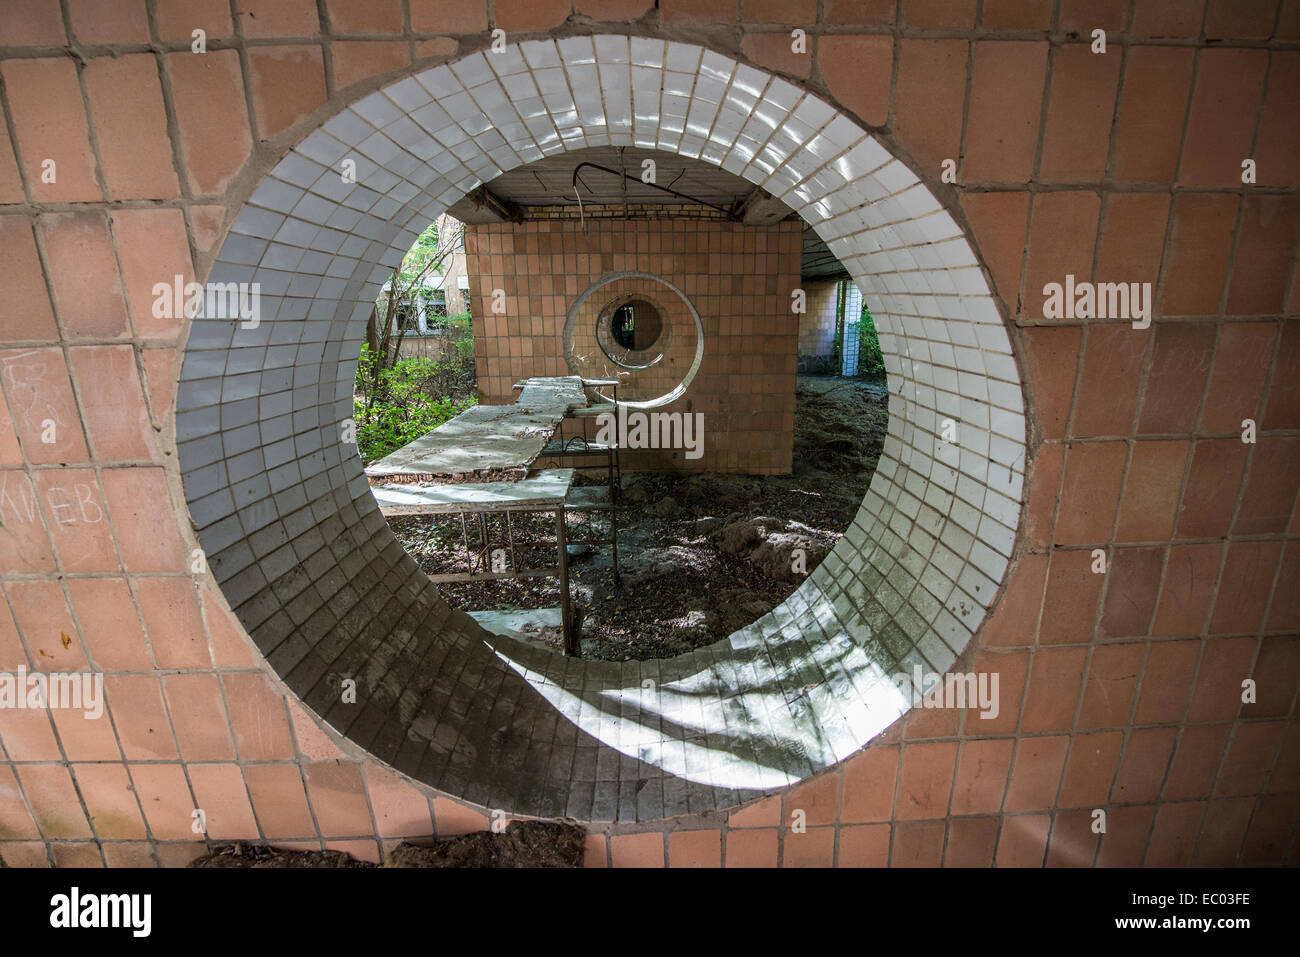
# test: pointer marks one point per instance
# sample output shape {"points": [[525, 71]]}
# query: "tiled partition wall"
{"points": [[731, 282], [1119, 690], [817, 324]]}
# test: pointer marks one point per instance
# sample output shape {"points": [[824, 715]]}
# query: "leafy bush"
{"points": [[406, 400], [871, 361]]}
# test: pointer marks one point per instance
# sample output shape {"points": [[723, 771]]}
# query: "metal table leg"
{"points": [[571, 647]]}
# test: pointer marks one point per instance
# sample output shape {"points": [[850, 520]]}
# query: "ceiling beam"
{"points": [[481, 205], [758, 208]]}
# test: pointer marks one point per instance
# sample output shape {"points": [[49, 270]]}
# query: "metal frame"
{"points": [[480, 557]]}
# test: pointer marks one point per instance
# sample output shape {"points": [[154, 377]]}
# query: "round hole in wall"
{"points": [[636, 325], [632, 332], [297, 544], [666, 331]]}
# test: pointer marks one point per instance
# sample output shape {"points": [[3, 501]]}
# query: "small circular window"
{"points": [[632, 332], [636, 325]]}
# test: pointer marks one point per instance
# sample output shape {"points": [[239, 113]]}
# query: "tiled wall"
{"points": [[817, 323], [738, 279], [1119, 690]]}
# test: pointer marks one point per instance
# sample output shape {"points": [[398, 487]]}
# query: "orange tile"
{"points": [[198, 714], [15, 819], [1222, 118], [152, 247], [1148, 134], [278, 18], [1090, 769], [338, 798], [817, 799], [1023, 841], [453, 818], [1005, 104], [1073, 594], [981, 777], [1217, 694], [695, 848], [134, 498], [110, 800], [637, 850], [1054, 687], [1036, 773], [130, 120], [211, 84], [400, 809], [1196, 263], [112, 406], [55, 804], [866, 845], [925, 783], [1111, 682], [939, 14], [80, 252], [49, 119], [814, 847], [140, 716], [288, 84], [279, 800], [971, 842], [32, 23], [354, 60], [752, 848], [1080, 102], [178, 20], [1173, 836], [258, 717], [1073, 842]]}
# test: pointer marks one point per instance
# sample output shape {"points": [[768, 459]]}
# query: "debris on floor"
{"points": [[521, 844], [240, 854], [700, 554]]}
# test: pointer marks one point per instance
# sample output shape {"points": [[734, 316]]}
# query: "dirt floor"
{"points": [[520, 844], [701, 554]]}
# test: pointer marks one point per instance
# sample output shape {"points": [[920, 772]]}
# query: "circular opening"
{"points": [[663, 327], [636, 325], [632, 332], [296, 541]]}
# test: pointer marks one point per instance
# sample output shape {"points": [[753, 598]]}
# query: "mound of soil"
{"points": [[521, 844], [700, 554], [240, 854]]}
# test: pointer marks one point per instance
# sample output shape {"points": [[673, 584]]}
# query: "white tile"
{"points": [[577, 50], [473, 69], [540, 53], [683, 57]]}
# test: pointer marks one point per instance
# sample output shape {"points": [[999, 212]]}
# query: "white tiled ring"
{"points": [[298, 545]]}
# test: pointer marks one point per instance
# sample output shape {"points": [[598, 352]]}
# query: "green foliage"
{"points": [[462, 333], [399, 398], [871, 361], [404, 401]]}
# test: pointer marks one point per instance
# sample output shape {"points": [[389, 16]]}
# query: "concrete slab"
{"points": [[487, 442], [523, 624], [547, 489]]}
